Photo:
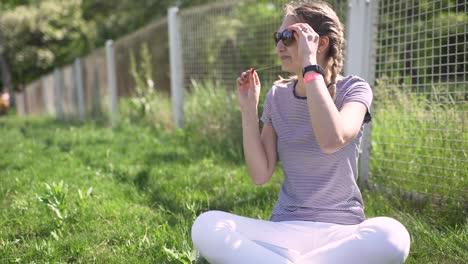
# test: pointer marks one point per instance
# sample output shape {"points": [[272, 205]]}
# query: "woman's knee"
{"points": [[390, 235], [206, 225]]}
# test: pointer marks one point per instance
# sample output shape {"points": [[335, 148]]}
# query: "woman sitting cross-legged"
{"points": [[312, 123]]}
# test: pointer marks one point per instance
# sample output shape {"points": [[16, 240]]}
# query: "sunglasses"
{"points": [[286, 36]]}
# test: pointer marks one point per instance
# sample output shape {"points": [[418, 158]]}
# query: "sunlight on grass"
{"points": [[148, 185]]}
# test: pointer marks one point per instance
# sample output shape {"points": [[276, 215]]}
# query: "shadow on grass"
{"points": [[170, 157]]}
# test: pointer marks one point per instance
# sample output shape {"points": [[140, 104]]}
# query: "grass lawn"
{"points": [[85, 193]]}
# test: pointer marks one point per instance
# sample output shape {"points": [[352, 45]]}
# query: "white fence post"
{"points": [[49, 94], [78, 80], [33, 102], [20, 104], [177, 67], [45, 97], [111, 81], [361, 25], [58, 78]]}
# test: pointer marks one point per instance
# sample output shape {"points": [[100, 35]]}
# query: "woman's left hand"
{"points": [[308, 42]]}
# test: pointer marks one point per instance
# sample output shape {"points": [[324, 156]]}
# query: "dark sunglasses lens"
{"points": [[287, 37], [277, 37]]}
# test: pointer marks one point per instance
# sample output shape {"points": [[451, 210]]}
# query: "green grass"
{"points": [[141, 189], [420, 142]]}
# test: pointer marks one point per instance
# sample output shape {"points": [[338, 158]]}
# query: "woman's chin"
{"points": [[288, 69], [285, 68]]}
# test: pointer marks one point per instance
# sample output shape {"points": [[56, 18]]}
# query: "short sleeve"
{"points": [[266, 116], [360, 91]]}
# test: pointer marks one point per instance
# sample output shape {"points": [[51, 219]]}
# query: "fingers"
{"points": [[243, 78], [250, 73], [247, 77], [255, 78], [304, 29]]}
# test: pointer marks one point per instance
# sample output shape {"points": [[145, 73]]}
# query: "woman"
{"points": [[313, 123]]}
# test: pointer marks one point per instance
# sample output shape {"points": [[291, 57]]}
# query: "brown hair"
{"points": [[323, 19]]}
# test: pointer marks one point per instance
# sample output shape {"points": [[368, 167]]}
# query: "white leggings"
{"points": [[226, 238]]}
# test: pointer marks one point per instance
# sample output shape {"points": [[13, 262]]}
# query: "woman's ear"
{"points": [[323, 44]]}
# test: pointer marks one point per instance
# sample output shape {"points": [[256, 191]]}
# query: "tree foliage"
{"points": [[40, 35], [44, 35]]}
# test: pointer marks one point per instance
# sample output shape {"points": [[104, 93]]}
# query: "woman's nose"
{"points": [[280, 46]]}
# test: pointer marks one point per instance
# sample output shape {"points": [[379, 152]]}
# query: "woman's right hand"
{"points": [[248, 90]]}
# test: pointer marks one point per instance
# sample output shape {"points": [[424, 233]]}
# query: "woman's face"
{"points": [[288, 54]]}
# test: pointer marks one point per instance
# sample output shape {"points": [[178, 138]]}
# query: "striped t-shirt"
{"points": [[317, 186]]}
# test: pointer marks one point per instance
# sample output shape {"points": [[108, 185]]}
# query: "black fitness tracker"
{"points": [[315, 68]]}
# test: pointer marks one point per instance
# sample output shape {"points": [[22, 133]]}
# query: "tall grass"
{"points": [[149, 106], [213, 119], [420, 143]]}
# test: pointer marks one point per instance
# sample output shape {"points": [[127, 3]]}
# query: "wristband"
{"points": [[312, 76]]}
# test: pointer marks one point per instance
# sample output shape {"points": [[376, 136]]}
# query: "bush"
{"points": [[149, 106], [213, 118]]}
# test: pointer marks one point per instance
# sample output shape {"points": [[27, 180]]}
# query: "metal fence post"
{"points": [[33, 102], [48, 94], [19, 100], [176, 66], [360, 60], [111, 81], [78, 80], [58, 78], [96, 94], [44, 96]]}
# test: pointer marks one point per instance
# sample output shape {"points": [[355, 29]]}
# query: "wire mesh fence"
{"points": [[420, 132], [222, 40]]}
